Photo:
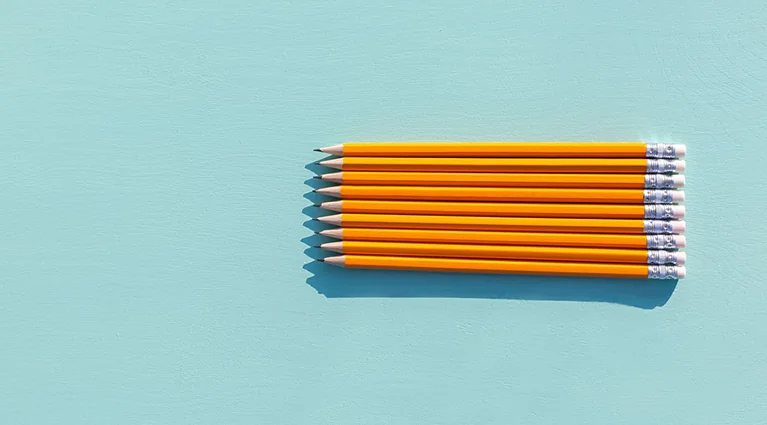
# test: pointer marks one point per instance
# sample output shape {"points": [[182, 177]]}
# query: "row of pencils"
{"points": [[598, 209]]}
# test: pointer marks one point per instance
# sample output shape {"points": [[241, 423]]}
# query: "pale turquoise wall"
{"points": [[152, 171]]}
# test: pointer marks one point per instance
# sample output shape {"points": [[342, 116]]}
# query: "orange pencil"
{"points": [[593, 181], [505, 194], [508, 165], [505, 209], [507, 252], [510, 149], [635, 271], [584, 240], [563, 225]]}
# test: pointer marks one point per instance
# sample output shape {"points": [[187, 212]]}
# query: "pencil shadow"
{"points": [[334, 282]]}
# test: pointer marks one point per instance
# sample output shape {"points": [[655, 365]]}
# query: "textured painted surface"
{"points": [[152, 165]]}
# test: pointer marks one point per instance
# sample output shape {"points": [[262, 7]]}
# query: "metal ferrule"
{"points": [[657, 197], [662, 257], [661, 242], [662, 272], [661, 150], [657, 226], [658, 181], [661, 166], [658, 211]]}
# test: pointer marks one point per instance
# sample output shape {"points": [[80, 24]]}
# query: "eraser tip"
{"points": [[678, 226]]}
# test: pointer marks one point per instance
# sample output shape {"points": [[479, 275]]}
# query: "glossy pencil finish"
{"points": [[509, 149], [506, 252], [505, 165], [586, 181], [504, 209], [546, 225], [636, 271], [504, 194], [585, 240]]}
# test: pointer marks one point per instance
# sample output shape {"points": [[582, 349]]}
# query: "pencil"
{"points": [[510, 149], [505, 194], [507, 252], [636, 271], [593, 181], [508, 165], [584, 240], [546, 225], [506, 209]]}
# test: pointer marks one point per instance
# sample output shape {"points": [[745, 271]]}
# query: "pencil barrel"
{"points": [[634, 271], [514, 149], [543, 180], [535, 253], [519, 224], [505, 194], [586, 240]]}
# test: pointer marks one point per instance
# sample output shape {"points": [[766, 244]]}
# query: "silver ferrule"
{"points": [[659, 211], [661, 150], [658, 226], [661, 166], [657, 196], [658, 181], [662, 257], [662, 272], [661, 242]]}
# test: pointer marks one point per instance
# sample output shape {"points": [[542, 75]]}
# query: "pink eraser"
{"points": [[677, 211], [680, 240], [680, 150], [677, 196], [681, 257], [680, 166], [678, 180], [677, 226], [681, 272]]}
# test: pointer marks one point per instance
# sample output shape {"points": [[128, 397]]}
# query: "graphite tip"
{"points": [[321, 260], [318, 150], [316, 177], [316, 205]]}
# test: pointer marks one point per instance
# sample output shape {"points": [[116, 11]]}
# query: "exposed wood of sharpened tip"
{"points": [[332, 150], [548, 268], [333, 177], [491, 165]]}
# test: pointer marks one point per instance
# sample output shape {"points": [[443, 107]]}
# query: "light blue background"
{"points": [[152, 166]]}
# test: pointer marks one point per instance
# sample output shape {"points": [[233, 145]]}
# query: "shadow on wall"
{"points": [[335, 282]]}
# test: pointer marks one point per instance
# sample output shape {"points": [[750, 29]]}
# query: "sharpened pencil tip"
{"points": [[321, 260], [318, 150], [317, 205], [314, 190], [316, 219], [316, 177], [316, 246]]}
